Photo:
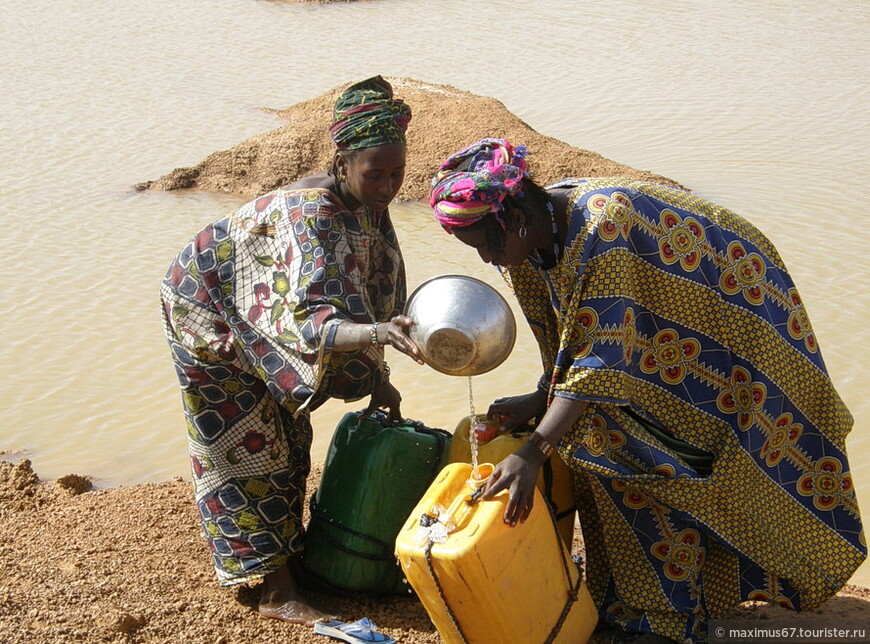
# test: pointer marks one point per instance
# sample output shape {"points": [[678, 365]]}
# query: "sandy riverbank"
{"points": [[128, 564]]}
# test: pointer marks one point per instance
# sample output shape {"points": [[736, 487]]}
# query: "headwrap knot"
{"points": [[473, 182], [366, 116]]}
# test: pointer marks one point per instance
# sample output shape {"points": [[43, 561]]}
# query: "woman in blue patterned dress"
{"points": [[271, 311], [682, 383]]}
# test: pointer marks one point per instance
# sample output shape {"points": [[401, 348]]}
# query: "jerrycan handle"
{"points": [[373, 423], [379, 420], [381, 417]]}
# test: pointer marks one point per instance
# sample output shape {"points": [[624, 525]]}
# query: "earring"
{"points": [[522, 232]]}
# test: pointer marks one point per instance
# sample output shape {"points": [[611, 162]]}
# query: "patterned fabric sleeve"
{"points": [[298, 275], [328, 286], [387, 286], [596, 358], [534, 300]]}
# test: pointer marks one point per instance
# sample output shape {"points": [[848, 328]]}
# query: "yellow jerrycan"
{"points": [[555, 480], [482, 581]]}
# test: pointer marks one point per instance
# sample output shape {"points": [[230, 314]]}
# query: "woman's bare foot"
{"points": [[282, 599]]}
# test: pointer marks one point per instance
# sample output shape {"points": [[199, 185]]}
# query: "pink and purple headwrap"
{"points": [[473, 182]]}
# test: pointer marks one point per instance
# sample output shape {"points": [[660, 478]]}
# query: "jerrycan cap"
{"points": [[486, 429], [477, 478]]}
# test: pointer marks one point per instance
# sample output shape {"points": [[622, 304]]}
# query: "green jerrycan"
{"points": [[374, 474]]}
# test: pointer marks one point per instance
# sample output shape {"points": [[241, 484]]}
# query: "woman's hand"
{"points": [[394, 334], [385, 396], [352, 336], [518, 474], [516, 411]]}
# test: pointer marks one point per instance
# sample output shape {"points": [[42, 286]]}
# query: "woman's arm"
{"points": [[350, 336], [518, 473], [533, 297]]}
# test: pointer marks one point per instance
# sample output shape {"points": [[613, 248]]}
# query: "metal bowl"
{"points": [[462, 326]]}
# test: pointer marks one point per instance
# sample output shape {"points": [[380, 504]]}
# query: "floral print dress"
{"points": [[250, 308], [711, 461]]}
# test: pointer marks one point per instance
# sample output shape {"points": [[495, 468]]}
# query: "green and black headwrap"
{"points": [[366, 115]]}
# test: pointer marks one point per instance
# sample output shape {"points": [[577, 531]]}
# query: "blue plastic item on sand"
{"points": [[359, 632]]}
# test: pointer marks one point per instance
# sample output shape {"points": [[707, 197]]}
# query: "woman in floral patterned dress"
{"points": [[271, 311], [681, 382]]}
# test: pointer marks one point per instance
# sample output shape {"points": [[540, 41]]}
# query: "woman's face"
{"points": [[512, 252], [373, 176]]}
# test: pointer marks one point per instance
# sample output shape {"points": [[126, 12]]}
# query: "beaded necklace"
{"points": [[557, 248]]}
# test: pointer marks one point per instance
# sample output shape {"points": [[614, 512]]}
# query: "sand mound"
{"points": [[445, 119], [19, 485]]}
